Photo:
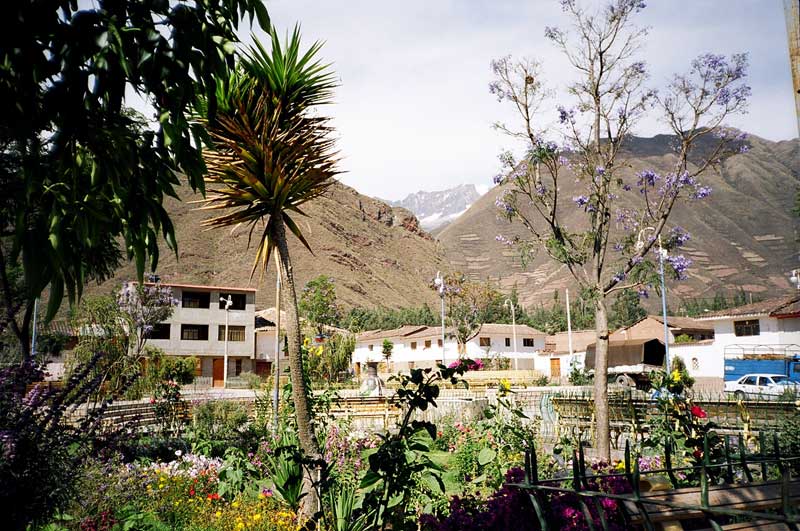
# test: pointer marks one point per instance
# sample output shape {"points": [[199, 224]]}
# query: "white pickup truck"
{"points": [[762, 386]]}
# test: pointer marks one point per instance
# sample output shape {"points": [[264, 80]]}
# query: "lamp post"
{"points": [[513, 331], [228, 303], [438, 282], [276, 402], [661, 255]]}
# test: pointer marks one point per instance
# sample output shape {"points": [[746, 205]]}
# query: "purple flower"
{"points": [[680, 264], [600, 170], [701, 192], [647, 178], [565, 115], [643, 293], [618, 277], [581, 200], [498, 179], [678, 237]]}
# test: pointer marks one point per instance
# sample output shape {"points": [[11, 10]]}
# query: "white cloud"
{"points": [[414, 113]]}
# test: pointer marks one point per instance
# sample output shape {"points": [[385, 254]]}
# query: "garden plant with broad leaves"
{"points": [[624, 224]]}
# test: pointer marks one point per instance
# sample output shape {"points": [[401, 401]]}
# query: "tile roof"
{"points": [[396, 333], [787, 306], [522, 330], [558, 343], [685, 323]]}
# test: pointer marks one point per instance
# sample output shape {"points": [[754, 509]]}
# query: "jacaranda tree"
{"points": [[271, 155], [613, 244]]}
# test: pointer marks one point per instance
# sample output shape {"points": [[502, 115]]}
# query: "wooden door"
{"points": [[218, 369], [555, 367]]}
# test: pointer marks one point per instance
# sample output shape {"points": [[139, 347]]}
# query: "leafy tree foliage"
{"points": [[318, 303], [626, 310], [699, 306], [78, 170], [361, 319]]}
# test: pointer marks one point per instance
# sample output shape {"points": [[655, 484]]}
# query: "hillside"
{"points": [[376, 254], [743, 235]]}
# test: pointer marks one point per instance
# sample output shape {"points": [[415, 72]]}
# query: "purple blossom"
{"points": [[647, 178], [643, 293], [618, 277], [502, 239], [701, 192], [498, 179], [503, 204], [626, 187], [600, 170], [678, 237], [680, 265], [563, 161], [565, 115], [581, 200]]}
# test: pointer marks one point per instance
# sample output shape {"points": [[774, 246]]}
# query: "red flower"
{"points": [[191, 492], [698, 412], [698, 454]]}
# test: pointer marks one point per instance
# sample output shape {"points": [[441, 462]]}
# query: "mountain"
{"points": [[743, 236], [436, 209], [376, 254]]}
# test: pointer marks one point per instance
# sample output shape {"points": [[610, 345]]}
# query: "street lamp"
{"points": [[513, 331], [228, 303], [662, 253], [438, 282]]}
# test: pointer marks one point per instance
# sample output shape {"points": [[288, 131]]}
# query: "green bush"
{"points": [[219, 424]]}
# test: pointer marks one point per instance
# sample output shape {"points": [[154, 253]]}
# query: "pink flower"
{"points": [[698, 412]]}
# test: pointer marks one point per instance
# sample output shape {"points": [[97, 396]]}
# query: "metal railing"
{"points": [[741, 474]]}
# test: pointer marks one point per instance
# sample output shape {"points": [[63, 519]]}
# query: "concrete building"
{"points": [[421, 346], [197, 329], [556, 354]]}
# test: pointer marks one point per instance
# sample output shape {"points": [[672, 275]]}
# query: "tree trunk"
{"points": [[302, 407], [602, 434]]}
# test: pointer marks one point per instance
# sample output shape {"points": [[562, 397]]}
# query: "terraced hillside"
{"points": [[743, 236]]}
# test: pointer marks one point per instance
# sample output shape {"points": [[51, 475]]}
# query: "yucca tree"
{"points": [[270, 155]]}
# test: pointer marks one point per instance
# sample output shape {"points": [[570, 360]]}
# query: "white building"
{"points": [[197, 329], [770, 327], [556, 361], [421, 346]]}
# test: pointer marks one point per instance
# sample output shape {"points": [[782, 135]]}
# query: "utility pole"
{"points": [[569, 332], [228, 303], [513, 332]]}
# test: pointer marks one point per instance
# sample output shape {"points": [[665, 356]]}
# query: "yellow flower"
{"points": [[256, 517], [218, 514], [235, 504], [240, 525], [676, 376]]}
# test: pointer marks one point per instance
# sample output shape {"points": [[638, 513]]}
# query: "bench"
{"points": [[686, 504]]}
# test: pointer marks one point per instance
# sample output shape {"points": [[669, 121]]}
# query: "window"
{"points": [[750, 380], [191, 332], [763, 381], [527, 342], [428, 343], [371, 347], [238, 367], [508, 341], [413, 345], [746, 328], [439, 343], [239, 301], [485, 341], [160, 331], [235, 333], [198, 367], [196, 299], [695, 364]]}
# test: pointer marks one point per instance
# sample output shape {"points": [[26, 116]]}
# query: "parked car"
{"points": [[762, 385]]}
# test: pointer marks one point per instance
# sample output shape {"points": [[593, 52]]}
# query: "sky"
{"points": [[414, 112]]}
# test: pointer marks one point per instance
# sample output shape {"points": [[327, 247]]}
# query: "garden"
{"points": [[226, 468]]}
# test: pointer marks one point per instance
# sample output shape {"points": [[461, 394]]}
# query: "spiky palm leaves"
{"points": [[271, 155]]}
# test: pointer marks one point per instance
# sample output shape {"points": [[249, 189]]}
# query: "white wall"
{"points": [[403, 353], [213, 317], [710, 362]]}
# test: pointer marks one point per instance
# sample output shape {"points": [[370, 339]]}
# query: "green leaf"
{"points": [[486, 456]]}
